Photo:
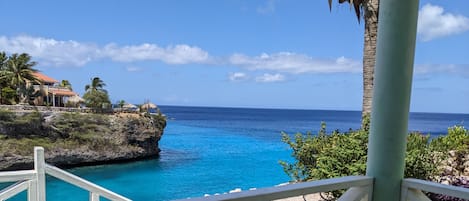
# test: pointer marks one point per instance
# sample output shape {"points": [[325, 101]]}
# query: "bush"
{"points": [[8, 96], [324, 156], [159, 119], [457, 139], [81, 127], [420, 159], [14, 126]]}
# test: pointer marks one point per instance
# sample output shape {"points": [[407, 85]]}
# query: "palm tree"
{"points": [[20, 72], [96, 85], [367, 9], [121, 103], [96, 96], [3, 77], [3, 61], [66, 84]]}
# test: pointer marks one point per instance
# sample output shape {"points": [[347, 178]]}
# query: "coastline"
{"points": [[73, 139]]}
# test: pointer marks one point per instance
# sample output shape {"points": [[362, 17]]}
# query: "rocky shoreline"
{"points": [[73, 139]]}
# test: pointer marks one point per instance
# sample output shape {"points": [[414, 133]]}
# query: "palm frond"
{"points": [[356, 4]]}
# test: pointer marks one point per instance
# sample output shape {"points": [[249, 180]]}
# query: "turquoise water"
{"points": [[214, 150], [194, 161]]}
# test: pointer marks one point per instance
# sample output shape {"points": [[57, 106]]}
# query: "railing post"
{"points": [[94, 196], [32, 190], [391, 96], [39, 167]]}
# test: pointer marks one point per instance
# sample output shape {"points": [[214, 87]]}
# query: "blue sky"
{"points": [[233, 53]]}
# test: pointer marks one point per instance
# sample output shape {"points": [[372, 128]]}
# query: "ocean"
{"points": [[214, 150]]}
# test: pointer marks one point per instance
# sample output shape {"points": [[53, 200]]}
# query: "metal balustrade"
{"points": [[34, 182]]}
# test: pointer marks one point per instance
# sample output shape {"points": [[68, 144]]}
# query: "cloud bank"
{"points": [[457, 69], [295, 63], [72, 53], [434, 23]]}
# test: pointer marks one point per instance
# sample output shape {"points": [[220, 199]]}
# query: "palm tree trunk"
{"points": [[369, 53]]}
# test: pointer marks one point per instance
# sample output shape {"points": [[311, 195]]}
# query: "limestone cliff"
{"points": [[76, 139]]}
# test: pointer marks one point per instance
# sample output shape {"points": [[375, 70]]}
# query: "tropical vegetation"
{"points": [[68, 130], [121, 103], [18, 84], [66, 84], [368, 10], [96, 96], [327, 155], [16, 74]]}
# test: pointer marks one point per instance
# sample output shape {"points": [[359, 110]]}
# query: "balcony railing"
{"points": [[359, 187], [34, 182]]}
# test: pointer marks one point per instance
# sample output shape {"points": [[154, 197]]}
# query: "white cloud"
{"points": [[295, 63], [459, 69], [238, 76], [50, 51], [54, 52], [434, 22], [133, 68], [72, 53], [178, 54], [268, 8], [266, 77]]}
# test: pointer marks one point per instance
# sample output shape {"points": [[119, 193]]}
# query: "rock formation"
{"points": [[77, 139]]}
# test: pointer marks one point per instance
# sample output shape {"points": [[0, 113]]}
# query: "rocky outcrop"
{"points": [[454, 168], [77, 139]]}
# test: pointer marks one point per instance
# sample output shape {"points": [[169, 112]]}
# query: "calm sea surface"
{"points": [[215, 150]]}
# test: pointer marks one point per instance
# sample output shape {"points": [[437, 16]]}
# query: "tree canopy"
{"points": [[96, 96], [16, 71]]}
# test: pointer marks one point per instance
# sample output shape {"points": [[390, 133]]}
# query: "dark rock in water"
{"points": [[77, 139]]}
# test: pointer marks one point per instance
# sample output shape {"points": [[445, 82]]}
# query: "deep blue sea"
{"points": [[215, 150]]}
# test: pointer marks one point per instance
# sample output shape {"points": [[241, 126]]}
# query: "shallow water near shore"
{"points": [[215, 150]]}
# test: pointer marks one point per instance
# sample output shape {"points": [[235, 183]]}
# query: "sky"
{"points": [[233, 53]]}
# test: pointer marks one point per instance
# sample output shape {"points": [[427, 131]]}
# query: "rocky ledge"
{"points": [[77, 139]]}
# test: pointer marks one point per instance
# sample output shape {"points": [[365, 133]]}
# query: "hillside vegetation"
{"points": [[73, 139]]}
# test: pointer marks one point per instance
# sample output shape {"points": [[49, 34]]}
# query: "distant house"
{"points": [[52, 93]]}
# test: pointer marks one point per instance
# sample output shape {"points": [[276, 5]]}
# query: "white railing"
{"points": [[411, 189], [34, 181], [360, 188]]}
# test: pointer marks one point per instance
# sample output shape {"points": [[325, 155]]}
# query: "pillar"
{"points": [[397, 28]]}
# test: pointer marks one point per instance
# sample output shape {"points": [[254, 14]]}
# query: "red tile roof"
{"points": [[44, 78], [62, 92]]}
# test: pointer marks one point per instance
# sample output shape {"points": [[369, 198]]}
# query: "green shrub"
{"points": [[457, 139], [6, 116], [420, 159], [159, 119], [324, 156], [8, 96], [14, 126], [82, 127], [305, 150]]}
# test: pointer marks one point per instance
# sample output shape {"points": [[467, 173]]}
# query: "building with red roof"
{"points": [[52, 93]]}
